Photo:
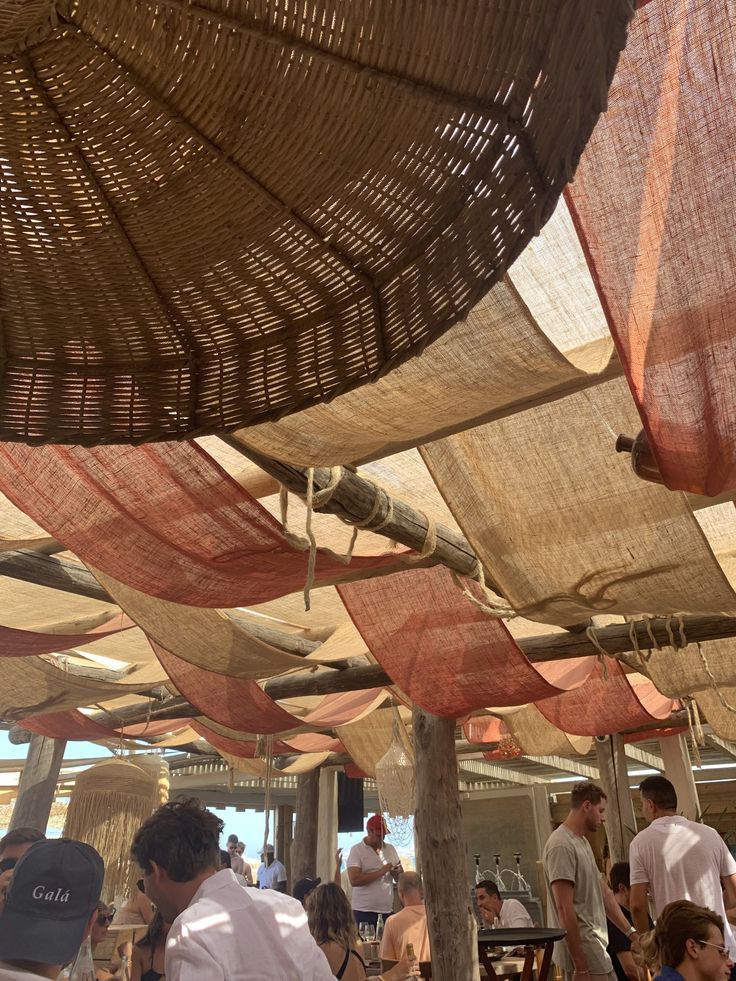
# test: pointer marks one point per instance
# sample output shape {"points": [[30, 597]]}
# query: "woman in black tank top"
{"points": [[148, 953]]}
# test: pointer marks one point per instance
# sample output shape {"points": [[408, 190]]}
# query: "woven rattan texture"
{"points": [[218, 213]]}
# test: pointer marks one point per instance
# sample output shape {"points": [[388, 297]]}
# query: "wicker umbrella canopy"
{"points": [[216, 212]]}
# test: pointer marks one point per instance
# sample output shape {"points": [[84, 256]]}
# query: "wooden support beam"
{"points": [[37, 786], [439, 829], [483, 770], [354, 500], [679, 770], [641, 756], [304, 845], [614, 778], [615, 640], [716, 742], [583, 770]]}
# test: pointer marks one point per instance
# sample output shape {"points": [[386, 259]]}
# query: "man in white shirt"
{"points": [[509, 913], [220, 931], [49, 909], [271, 873], [373, 866], [678, 859]]}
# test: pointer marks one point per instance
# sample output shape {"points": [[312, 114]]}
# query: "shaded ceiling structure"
{"points": [[354, 264]]}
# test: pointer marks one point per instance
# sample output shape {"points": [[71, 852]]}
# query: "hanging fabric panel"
{"points": [[607, 705], [685, 670], [368, 740], [562, 523], [203, 637], [535, 736], [447, 655], [72, 724], [653, 199], [536, 335], [233, 702], [33, 686], [52, 639], [164, 519]]}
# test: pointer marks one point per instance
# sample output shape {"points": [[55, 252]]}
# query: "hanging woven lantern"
{"points": [[158, 769], [395, 781], [220, 213], [108, 804]]}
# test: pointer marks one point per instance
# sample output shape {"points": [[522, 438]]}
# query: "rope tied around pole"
{"points": [[268, 741], [602, 653], [494, 607]]}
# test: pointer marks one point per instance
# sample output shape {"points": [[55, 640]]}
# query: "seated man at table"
{"points": [[408, 926], [509, 913]]}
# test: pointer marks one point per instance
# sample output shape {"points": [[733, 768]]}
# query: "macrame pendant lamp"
{"points": [[108, 804], [396, 787]]}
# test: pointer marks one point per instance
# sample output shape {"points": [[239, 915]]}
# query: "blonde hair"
{"points": [[330, 916], [677, 923]]}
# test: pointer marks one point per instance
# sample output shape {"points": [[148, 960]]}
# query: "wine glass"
{"points": [[369, 933]]}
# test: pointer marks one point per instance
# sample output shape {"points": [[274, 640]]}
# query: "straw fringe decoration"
{"points": [[108, 804]]}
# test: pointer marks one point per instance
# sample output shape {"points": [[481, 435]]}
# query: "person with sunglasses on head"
{"points": [[687, 944]]}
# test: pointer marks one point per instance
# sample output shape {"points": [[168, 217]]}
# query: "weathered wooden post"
{"points": [[452, 930], [284, 832], [678, 769], [37, 786], [304, 846], [620, 819]]}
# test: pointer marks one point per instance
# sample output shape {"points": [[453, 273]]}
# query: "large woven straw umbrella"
{"points": [[221, 211]]}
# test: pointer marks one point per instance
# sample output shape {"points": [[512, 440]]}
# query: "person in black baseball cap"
{"points": [[49, 908]]}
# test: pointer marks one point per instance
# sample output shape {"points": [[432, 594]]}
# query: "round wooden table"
{"points": [[529, 939]]}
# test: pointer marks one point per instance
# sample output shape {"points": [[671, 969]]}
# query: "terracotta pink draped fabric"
{"points": [[606, 705], [447, 655], [243, 705], [164, 518], [235, 747], [653, 204], [74, 724], [25, 643]]}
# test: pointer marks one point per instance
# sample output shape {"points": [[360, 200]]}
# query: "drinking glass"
{"points": [[369, 932]]}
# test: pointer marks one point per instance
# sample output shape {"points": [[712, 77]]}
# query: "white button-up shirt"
{"points": [[228, 933]]}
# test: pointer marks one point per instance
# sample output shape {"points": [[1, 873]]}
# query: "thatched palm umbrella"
{"points": [[218, 212]]}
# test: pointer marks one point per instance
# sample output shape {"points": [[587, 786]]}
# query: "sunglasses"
{"points": [[723, 951], [103, 918]]}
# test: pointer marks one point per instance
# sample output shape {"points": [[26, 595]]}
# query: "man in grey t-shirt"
{"points": [[578, 900]]}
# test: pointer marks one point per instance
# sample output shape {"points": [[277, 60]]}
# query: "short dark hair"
{"points": [[21, 836], [232, 839], [183, 837], [620, 875], [490, 887], [660, 792], [586, 791]]}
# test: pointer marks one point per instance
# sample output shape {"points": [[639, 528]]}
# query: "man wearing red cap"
{"points": [[373, 866]]}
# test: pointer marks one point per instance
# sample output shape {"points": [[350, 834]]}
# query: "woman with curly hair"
{"points": [[332, 925], [687, 945]]}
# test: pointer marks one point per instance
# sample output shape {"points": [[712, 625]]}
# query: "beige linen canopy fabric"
{"points": [[184, 155], [32, 685], [204, 637], [368, 739], [564, 525], [538, 737], [535, 336]]}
